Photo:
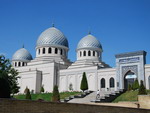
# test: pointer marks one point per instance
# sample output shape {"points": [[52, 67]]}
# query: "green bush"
{"points": [[25, 91], [142, 90], [28, 95], [55, 95], [84, 83], [135, 85], [42, 89], [129, 87]]}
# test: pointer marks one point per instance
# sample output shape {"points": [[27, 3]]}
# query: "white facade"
{"points": [[52, 67]]}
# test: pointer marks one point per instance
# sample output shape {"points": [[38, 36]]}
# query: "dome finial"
{"points": [[23, 46], [89, 32], [53, 25]]}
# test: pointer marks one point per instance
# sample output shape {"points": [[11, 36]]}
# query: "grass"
{"points": [[129, 96], [46, 96]]}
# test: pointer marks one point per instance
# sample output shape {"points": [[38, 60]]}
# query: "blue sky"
{"points": [[120, 25]]}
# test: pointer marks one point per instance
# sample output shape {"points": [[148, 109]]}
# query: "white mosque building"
{"points": [[51, 65]]}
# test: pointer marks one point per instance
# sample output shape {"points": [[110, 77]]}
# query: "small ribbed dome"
{"points": [[22, 55], [52, 37], [89, 41]]}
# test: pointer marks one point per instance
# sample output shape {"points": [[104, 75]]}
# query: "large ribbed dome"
{"points": [[52, 37], [89, 41], [22, 55]]}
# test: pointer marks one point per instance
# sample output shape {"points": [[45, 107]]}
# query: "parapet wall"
{"points": [[27, 106]]}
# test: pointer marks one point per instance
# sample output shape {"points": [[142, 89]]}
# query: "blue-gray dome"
{"points": [[22, 55], [52, 37], [89, 41]]}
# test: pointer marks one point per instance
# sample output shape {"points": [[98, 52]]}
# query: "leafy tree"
{"points": [[135, 85], [8, 78], [84, 83], [42, 89], [25, 91], [142, 90], [28, 95], [129, 87], [55, 95]]}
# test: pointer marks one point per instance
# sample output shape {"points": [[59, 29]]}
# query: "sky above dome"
{"points": [[120, 25]]}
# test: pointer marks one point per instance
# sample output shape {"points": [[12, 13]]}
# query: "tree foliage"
{"points": [[129, 87], [42, 89], [28, 95], [8, 78], [142, 90], [84, 83], [55, 95], [135, 85]]}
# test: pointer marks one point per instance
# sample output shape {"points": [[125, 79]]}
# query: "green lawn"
{"points": [[46, 96], [129, 96]]}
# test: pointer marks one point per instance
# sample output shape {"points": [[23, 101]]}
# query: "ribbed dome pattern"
{"points": [[89, 41], [22, 55], [52, 36]]}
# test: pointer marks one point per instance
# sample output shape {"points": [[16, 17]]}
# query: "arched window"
{"points": [[84, 53], [61, 51], [19, 64], [112, 82], [102, 83], [15, 63], [80, 53], [43, 50], [49, 50], [93, 53], [98, 54], [89, 53], [56, 50], [39, 51], [22, 63]]}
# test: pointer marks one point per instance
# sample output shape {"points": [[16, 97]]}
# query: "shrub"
{"points": [[84, 83], [25, 91], [55, 95], [129, 87], [142, 90], [42, 89], [135, 85], [28, 95]]}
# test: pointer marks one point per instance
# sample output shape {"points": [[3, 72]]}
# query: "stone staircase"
{"points": [[105, 96]]}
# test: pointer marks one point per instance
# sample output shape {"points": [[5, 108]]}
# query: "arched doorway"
{"points": [[129, 78]]}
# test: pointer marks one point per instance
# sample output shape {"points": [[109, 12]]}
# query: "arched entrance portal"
{"points": [[129, 78]]}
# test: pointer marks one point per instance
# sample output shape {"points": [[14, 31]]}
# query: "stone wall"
{"points": [[27, 106], [144, 101]]}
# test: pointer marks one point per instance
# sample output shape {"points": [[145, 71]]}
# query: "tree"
{"points": [[142, 90], [8, 78], [42, 89], [28, 95], [135, 85], [55, 95], [129, 87], [84, 83], [25, 91]]}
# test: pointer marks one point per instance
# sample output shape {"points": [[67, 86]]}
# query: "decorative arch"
{"points": [[39, 51], [84, 53], [49, 50], [56, 50], [89, 53], [61, 51], [102, 83], [22, 63], [80, 53], [43, 50], [93, 53], [112, 82], [19, 64]]}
